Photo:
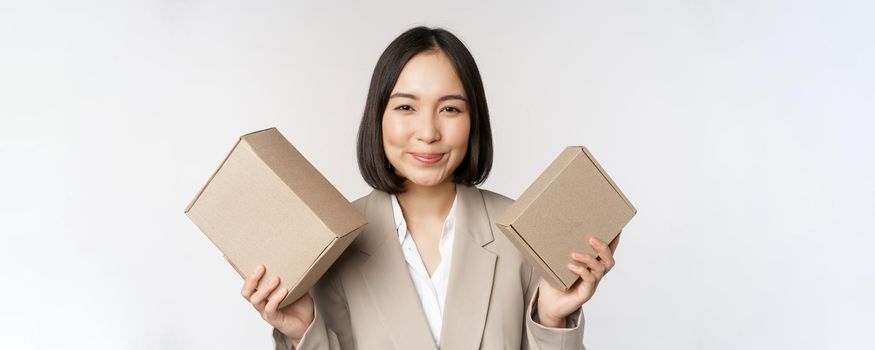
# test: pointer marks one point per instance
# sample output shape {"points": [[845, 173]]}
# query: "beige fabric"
{"points": [[367, 299]]}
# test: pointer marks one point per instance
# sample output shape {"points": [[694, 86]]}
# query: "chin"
{"points": [[427, 180]]}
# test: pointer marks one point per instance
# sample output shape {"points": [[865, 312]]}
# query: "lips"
{"points": [[428, 158]]}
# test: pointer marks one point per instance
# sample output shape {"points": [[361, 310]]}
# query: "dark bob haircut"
{"points": [[373, 164]]}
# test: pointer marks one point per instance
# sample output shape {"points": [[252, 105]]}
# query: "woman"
{"points": [[430, 269]]}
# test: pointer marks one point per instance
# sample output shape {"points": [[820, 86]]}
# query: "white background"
{"points": [[742, 131]]}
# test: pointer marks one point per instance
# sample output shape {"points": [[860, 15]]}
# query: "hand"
{"points": [[554, 305], [292, 320]]}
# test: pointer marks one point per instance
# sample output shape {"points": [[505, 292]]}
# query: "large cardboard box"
{"points": [[572, 200], [266, 204]]}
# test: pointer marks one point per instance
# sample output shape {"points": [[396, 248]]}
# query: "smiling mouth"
{"points": [[428, 158]]}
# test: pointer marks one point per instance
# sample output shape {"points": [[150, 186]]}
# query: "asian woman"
{"points": [[430, 270]]}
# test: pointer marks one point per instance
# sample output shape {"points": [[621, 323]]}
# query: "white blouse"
{"points": [[432, 290]]}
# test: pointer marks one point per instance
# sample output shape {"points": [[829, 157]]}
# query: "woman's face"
{"points": [[426, 122]]}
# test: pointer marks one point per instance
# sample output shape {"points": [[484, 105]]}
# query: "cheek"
{"points": [[394, 136], [390, 131], [457, 133]]}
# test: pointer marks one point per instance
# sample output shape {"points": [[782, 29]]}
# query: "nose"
{"points": [[427, 130]]}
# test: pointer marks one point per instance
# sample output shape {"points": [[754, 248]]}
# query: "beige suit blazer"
{"points": [[367, 299]]}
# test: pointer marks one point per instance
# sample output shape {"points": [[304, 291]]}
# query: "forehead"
{"points": [[429, 74]]}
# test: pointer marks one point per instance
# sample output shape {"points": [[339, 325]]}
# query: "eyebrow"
{"points": [[414, 97]]}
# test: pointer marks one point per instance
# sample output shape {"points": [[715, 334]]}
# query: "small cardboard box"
{"points": [[572, 200], [266, 204]]}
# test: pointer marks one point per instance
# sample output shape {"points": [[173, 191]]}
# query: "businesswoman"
{"points": [[430, 270]]}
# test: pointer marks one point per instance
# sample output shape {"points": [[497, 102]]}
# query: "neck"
{"points": [[428, 201]]}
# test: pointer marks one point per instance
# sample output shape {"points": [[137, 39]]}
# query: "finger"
{"points": [[273, 303], [252, 281], [615, 242], [595, 267], [302, 308], [584, 274], [260, 297], [604, 253]]}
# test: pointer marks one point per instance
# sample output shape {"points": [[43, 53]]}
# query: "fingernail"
{"points": [[260, 268], [576, 255]]}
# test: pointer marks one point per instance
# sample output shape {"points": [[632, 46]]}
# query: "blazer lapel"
{"points": [[471, 274], [385, 273]]}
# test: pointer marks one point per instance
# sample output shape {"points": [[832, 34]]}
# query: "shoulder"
{"points": [[361, 202], [495, 197], [495, 202]]}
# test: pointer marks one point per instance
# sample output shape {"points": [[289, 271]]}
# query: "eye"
{"points": [[405, 108], [451, 109]]}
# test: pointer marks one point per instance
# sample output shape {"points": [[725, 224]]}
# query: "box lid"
{"points": [[321, 196], [572, 199], [296, 172], [538, 186]]}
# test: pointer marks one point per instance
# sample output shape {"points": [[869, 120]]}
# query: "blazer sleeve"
{"points": [[331, 328], [539, 337]]}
